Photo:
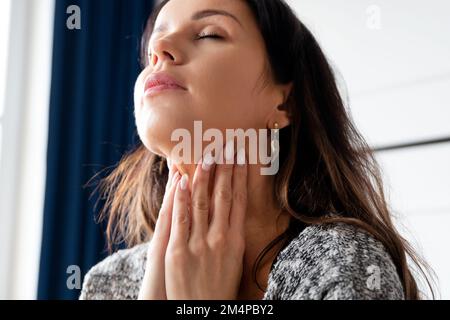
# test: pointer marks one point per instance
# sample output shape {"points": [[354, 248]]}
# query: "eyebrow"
{"points": [[204, 14]]}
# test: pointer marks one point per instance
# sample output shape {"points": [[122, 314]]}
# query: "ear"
{"points": [[286, 90], [280, 113]]}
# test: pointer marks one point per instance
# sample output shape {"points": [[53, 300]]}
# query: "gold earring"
{"points": [[274, 143]]}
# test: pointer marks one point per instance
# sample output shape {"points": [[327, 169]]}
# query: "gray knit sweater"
{"points": [[335, 261]]}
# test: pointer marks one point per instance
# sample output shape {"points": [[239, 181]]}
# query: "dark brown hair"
{"points": [[326, 165]]}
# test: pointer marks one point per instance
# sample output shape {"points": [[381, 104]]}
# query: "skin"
{"points": [[227, 87]]}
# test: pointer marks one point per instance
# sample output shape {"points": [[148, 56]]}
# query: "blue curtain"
{"points": [[91, 126]]}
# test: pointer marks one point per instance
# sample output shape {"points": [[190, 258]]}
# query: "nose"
{"points": [[164, 51]]}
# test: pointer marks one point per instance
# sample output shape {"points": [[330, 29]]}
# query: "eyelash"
{"points": [[208, 35]]}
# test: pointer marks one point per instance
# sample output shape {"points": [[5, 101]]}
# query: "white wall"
{"points": [[24, 148], [397, 71], [4, 45]]}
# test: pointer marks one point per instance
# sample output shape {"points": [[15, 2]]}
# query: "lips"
{"points": [[160, 81]]}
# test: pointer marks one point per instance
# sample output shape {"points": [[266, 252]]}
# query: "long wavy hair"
{"points": [[326, 166]]}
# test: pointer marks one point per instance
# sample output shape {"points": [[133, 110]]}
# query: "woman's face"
{"points": [[226, 79]]}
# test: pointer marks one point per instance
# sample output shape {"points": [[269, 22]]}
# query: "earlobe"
{"points": [[281, 113], [280, 117]]}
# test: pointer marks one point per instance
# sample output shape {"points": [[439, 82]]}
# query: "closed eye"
{"points": [[208, 35]]}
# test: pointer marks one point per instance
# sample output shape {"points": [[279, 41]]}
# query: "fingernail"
{"points": [[229, 150], [241, 157], [207, 162], [184, 182]]}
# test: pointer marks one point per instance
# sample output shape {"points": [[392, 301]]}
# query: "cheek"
{"points": [[233, 74], [227, 89]]}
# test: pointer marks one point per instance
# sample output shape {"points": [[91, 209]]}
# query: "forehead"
{"points": [[181, 11]]}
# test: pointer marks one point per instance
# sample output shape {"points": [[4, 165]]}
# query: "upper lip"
{"points": [[161, 78]]}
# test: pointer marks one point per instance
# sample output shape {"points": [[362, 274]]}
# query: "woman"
{"points": [[319, 228]]}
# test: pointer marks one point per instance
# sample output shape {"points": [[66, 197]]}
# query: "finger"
{"points": [[200, 198], [239, 203], [173, 175], [222, 193], [172, 171], [179, 234], [162, 228]]}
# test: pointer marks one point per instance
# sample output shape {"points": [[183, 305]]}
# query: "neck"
{"points": [[264, 222]]}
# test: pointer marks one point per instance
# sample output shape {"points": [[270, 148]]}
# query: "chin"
{"points": [[153, 145], [156, 141]]}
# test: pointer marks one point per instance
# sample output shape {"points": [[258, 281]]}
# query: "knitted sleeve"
{"points": [[117, 277], [336, 261]]}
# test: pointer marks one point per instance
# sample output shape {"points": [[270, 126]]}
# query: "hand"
{"points": [[204, 260], [153, 285]]}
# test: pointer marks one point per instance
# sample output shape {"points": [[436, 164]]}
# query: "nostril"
{"points": [[153, 59]]}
